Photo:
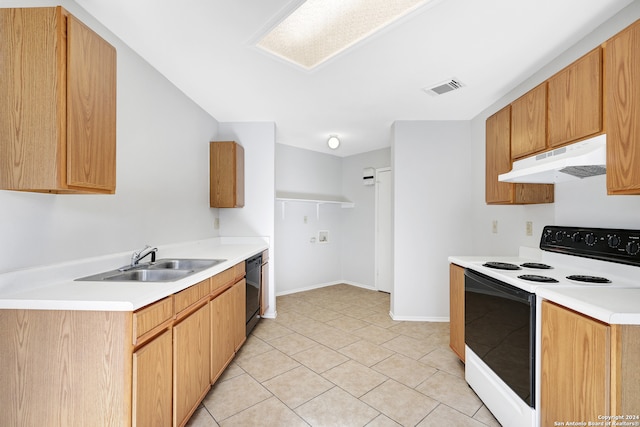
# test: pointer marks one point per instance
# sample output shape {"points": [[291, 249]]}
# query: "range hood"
{"points": [[576, 161]]}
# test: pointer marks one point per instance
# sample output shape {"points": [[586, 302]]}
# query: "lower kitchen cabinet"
{"points": [[456, 310], [191, 362], [264, 283], [152, 383], [222, 341], [151, 367], [589, 368]]}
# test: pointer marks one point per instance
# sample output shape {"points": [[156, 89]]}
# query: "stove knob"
{"points": [[547, 238], [559, 236], [576, 237], [633, 248], [613, 241], [590, 239]]}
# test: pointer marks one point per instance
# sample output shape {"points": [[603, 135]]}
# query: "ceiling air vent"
{"points": [[444, 87]]}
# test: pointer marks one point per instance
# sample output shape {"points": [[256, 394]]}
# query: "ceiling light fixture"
{"points": [[333, 142], [320, 29]]}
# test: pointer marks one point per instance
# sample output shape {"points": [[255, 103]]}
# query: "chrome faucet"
{"points": [[137, 256]]}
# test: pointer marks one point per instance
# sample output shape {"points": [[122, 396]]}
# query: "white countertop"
{"points": [[54, 287], [609, 304]]}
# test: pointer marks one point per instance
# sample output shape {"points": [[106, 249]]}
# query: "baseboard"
{"points": [[417, 318], [324, 285]]}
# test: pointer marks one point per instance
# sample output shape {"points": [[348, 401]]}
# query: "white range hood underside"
{"points": [[576, 161]]}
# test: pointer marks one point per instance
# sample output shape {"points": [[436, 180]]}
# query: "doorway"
{"points": [[383, 240]]}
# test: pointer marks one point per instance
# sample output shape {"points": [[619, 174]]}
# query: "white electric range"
{"points": [[502, 311]]}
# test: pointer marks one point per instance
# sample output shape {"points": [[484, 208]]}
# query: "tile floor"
{"points": [[334, 357]]}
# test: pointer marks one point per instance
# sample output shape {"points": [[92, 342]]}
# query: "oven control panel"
{"points": [[608, 244]]}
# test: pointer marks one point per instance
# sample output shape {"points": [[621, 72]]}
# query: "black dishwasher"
{"points": [[253, 276]]}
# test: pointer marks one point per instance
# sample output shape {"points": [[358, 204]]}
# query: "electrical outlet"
{"points": [[305, 219], [529, 228], [494, 226]]}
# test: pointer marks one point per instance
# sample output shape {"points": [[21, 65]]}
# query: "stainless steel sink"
{"points": [[185, 264], [163, 270], [147, 275]]}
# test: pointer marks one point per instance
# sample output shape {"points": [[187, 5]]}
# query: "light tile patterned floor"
{"points": [[334, 357]]}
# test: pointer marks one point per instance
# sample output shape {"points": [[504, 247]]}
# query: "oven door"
{"points": [[500, 330]]}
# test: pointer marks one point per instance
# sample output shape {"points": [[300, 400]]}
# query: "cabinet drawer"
{"points": [[239, 270], [191, 295], [151, 316], [220, 280]]}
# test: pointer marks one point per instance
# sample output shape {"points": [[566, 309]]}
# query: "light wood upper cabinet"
{"points": [[589, 368], [498, 161], [456, 310], [575, 100], [529, 123], [622, 64], [226, 164], [58, 115]]}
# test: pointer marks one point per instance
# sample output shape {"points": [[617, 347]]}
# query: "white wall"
{"points": [[580, 203], [162, 176], [433, 214], [358, 245], [349, 256]]}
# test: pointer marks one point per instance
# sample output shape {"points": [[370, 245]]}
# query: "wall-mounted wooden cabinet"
{"points": [[575, 100], [529, 123], [589, 368], [226, 172], [622, 64], [58, 109], [498, 161]]}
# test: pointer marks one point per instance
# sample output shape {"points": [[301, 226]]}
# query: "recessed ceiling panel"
{"points": [[320, 29]]}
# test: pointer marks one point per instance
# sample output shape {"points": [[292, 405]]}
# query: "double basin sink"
{"points": [[163, 270]]}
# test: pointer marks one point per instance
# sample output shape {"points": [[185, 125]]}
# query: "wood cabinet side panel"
{"points": [[32, 111], [622, 66], [575, 100], [239, 181], [629, 374], [152, 383], [529, 123], [264, 288], [47, 372], [91, 109], [575, 363], [456, 310]]}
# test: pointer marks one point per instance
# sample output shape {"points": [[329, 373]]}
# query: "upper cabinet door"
{"points": [[529, 122], [91, 109], [226, 173], [622, 62], [57, 118], [575, 100], [498, 157]]}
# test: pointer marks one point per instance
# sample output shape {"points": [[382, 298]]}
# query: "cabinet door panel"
{"points": [[575, 379], [529, 123], [498, 157], [575, 100], [622, 63], [222, 339], [191, 363], [239, 315], [91, 109], [152, 383]]}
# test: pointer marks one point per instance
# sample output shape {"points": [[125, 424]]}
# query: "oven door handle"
{"points": [[494, 286]]}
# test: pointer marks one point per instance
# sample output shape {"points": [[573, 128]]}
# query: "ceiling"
{"points": [[207, 49]]}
